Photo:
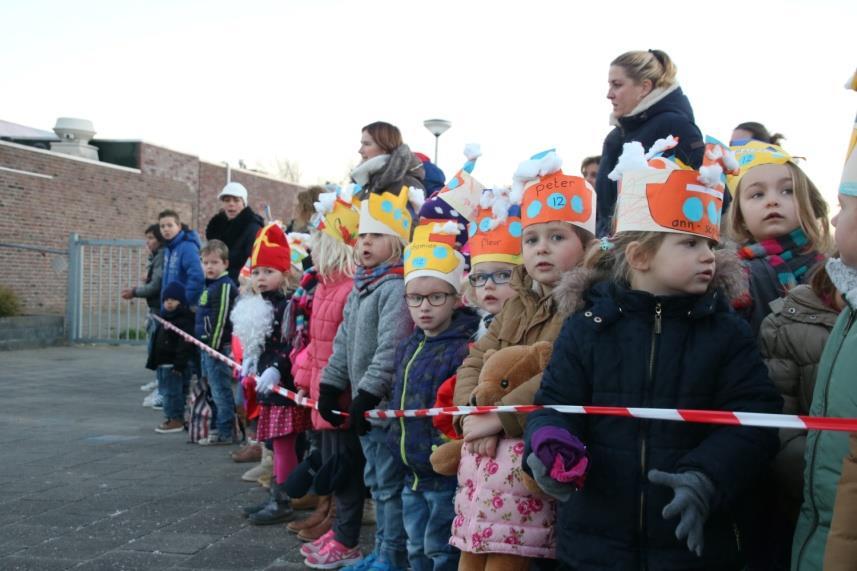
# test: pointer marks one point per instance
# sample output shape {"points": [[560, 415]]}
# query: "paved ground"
{"points": [[86, 483]]}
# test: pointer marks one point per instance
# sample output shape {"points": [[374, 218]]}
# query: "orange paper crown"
{"points": [[271, 249], [495, 232], [658, 195]]}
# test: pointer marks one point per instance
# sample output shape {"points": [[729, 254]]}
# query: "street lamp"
{"points": [[436, 127]]}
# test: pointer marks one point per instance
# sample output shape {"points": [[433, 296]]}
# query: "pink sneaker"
{"points": [[333, 556], [311, 548]]}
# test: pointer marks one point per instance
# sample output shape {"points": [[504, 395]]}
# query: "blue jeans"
{"points": [[219, 376], [385, 477], [428, 520], [174, 388]]}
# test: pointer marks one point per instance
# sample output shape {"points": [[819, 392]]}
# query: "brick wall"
{"points": [[98, 200]]}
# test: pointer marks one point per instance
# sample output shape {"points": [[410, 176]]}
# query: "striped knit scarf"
{"points": [[300, 310], [364, 277], [787, 255]]}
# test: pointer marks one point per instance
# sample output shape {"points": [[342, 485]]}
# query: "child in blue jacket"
{"points": [[423, 362]]}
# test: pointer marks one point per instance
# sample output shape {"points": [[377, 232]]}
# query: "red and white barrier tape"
{"points": [[676, 415]]}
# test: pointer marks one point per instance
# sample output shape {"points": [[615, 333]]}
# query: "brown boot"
{"points": [[307, 502], [249, 453], [316, 531], [313, 519]]}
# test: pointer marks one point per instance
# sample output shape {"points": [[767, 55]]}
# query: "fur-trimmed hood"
{"points": [[570, 294]]}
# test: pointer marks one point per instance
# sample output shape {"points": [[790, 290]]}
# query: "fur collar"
{"points": [[570, 294], [367, 168], [653, 97], [844, 278]]}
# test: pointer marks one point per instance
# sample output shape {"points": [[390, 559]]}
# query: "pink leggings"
{"points": [[285, 457]]}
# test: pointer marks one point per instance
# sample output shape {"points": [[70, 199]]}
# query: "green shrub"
{"points": [[9, 303], [133, 334]]}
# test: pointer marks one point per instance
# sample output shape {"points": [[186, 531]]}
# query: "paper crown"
{"points": [[338, 214], [389, 213], [299, 245], [271, 249], [848, 184], [546, 194], [752, 154], [495, 231], [657, 194], [432, 254]]}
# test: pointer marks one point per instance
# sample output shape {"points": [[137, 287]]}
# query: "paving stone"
{"points": [[95, 488]]}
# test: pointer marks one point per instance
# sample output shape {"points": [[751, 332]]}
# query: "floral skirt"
{"points": [[495, 512], [276, 420]]}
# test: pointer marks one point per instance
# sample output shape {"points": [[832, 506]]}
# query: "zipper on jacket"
{"points": [[402, 407], [656, 330], [824, 400]]}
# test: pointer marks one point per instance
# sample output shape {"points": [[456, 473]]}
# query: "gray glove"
{"points": [[692, 502], [551, 487]]}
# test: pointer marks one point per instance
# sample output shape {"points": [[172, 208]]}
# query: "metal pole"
{"points": [[436, 138], [71, 294]]}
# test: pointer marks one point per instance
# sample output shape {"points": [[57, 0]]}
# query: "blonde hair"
{"points": [[654, 65], [812, 213], [331, 256], [397, 249], [216, 247], [614, 261]]}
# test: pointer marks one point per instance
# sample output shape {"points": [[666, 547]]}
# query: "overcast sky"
{"points": [[261, 80]]}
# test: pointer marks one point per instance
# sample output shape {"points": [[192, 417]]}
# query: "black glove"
{"points": [[362, 402], [328, 401], [692, 502]]}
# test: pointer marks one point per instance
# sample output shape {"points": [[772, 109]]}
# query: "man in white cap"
{"points": [[236, 225]]}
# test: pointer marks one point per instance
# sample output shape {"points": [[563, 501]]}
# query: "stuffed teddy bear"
{"points": [[502, 371]]}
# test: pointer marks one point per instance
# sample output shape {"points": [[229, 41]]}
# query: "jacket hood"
{"points": [[185, 235], [661, 100], [571, 293]]}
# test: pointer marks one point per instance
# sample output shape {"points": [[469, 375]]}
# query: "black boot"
{"points": [[278, 510], [269, 501]]}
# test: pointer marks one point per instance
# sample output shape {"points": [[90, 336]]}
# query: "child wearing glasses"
{"points": [[499, 522], [433, 279]]}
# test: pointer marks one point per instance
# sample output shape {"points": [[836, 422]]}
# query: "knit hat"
{"points": [[547, 195], [300, 480], [338, 214], [234, 189], [753, 154], [434, 178], [175, 290], [441, 206], [391, 213], [433, 254], [848, 185], [271, 249], [657, 194], [495, 232]]}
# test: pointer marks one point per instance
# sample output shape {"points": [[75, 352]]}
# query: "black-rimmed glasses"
{"points": [[436, 299], [499, 278]]}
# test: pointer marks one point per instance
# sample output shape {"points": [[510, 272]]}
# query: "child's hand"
{"points": [[476, 426], [266, 382], [551, 487], [693, 492], [127, 293], [328, 402], [485, 446]]}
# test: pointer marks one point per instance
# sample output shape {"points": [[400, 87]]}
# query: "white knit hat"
{"points": [[234, 189]]}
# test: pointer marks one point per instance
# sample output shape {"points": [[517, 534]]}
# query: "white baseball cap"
{"points": [[234, 189]]}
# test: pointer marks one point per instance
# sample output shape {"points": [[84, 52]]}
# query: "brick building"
{"points": [[45, 196]]}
